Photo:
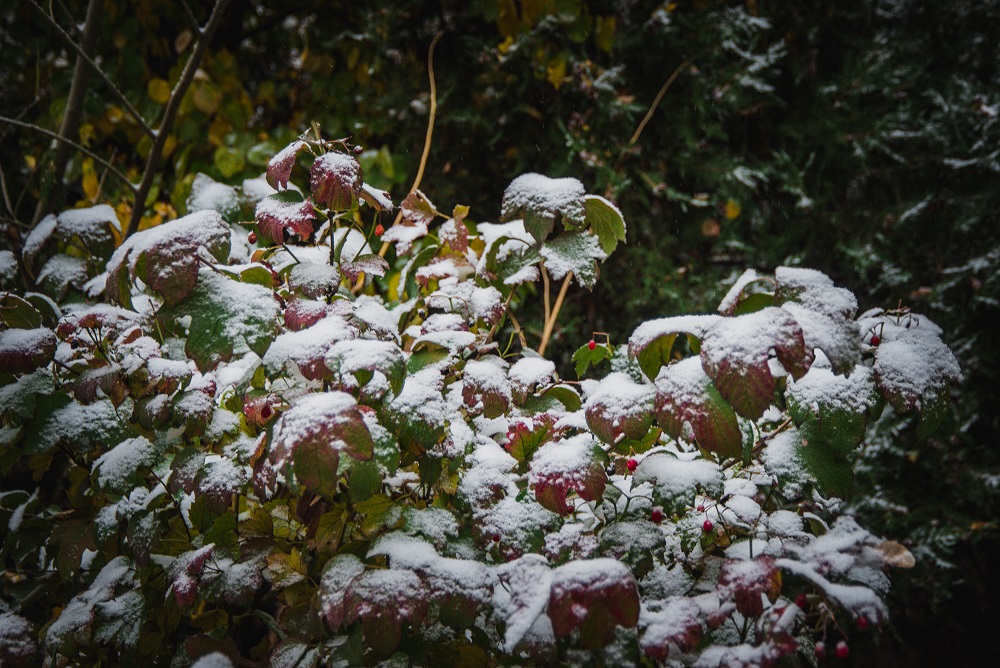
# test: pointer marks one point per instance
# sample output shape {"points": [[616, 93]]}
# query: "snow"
{"points": [[563, 460], [16, 636], [307, 345], [517, 237], [678, 479], [916, 364], [572, 541], [17, 516], [314, 279], [544, 196], [256, 189], [421, 399], [207, 193], [821, 388], [573, 253], [437, 524], [728, 302], [373, 313], [523, 599], [26, 341], [815, 291], [88, 224], [488, 375], [39, 234], [381, 198], [213, 660], [116, 467], [620, 398], [785, 523], [836, 335], [781, 458], [220, 476], [530, 372], [649, 331], [404, 236], [307, 418], [8, 266]]}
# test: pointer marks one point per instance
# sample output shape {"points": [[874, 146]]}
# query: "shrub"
{"points": [[285, 447]]}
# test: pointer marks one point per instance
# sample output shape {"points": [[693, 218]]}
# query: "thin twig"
{"points": [[546, 297], [191, 17], [170, 112], [78, 147], [140, 121], [551, 322], [427, 137], [656, 102]]}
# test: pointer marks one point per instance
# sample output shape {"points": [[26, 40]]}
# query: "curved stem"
{"points": [[551, 322]]}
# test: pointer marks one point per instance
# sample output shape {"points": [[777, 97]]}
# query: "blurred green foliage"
{"points": [[858, 137]]}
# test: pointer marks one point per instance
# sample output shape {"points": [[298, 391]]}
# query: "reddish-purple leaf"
{"points": [[745, 581], [336, 180], [593, 596], [417, 209], [561, 467], [371, 264], [526, 434], [279, 168], [686, 396], [620, 407], [17, 641], [676, 621], [735, 354], [24, 350], [338, 575], [455, 233], [304, 313], [384, 600], [311, 434], [485, 386], [285, 211]]}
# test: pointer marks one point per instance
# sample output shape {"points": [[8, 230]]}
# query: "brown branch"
{"points": [[74, 110], [170, 113], [656, 102], [551, 322], [82, 149], [427, 137], [71, 43]]}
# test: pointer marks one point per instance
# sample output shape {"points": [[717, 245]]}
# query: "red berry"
{"points": [[379, 230], [707, 526], [631, 464], [801, 601], [252, 237], [820, 649], [876, 339], [701, 508], [862, 622], [656, 515], [842, 650], [266, 412], [496, 538], [591, 344]]}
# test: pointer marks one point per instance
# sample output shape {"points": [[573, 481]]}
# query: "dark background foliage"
{"points": [[858, 137]]}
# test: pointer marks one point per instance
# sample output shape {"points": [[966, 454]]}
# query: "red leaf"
{"points": [[562, 467], [686, 396], [383, 600], [336, 180], [455, 234], [304, 313], [593, 596], [619, 407], [417, 209], [735, 353], [24, 350], [370, 264], [279, 168], [677, 621], [338, 575], [745, 581], [284, 211]]}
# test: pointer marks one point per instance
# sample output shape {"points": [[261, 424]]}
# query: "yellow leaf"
{"points": [[169, 145], [556, 72], [733, 210], [206, 97], [87, 134], [604, 32], [895, 554], [91, 184], [158, 90]]}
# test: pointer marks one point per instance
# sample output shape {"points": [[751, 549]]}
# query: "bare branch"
{"points": [[167, 122], [191, 17], [70, 42], [82, 149]]}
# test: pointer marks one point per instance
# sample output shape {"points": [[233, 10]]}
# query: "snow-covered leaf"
{"points": [[279, 168], [284, 212], [619, 407], [652, 342], [24, 350], [542, 201], [577, 252], [686, 398], [384, 600], [745, 581], [335, 179], [676, 481], [561, 467], [485, 384], [593, 596], [370, 264], [605, 221]]}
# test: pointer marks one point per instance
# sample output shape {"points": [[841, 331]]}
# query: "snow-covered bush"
{"points": [[282, 447]]}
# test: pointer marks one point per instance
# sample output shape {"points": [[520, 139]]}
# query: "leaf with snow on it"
{"points": [[24, 350], [528, 585], [454, 233], [338, 574], [418, 209], [36, 238], [384, 600], [735, 354], [746, 581], [528, 374], [619, 407], [310, 436], [652, 342], [687, 399], [747, 294], [676, 481], [825, 313], [370, 264], [17, 640], [813, 290], [93, 226], [284, 212], [207, 193], [485, 384], [301, 313], [577, 252], [279, 167], [542, 201], [75, 621], [375, 198], [404, 236], [117, 469], [676, 621], [859, 600], [356, 355], [594, 596], [745, 655], [313, 279], [561, 467], [336, 180], [526, 434], [165, 257]]}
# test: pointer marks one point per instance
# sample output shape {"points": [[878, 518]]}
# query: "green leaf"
{"points": [[566, 395], [224, 312], [652, 343], [425, 358], [605, 221], [363, 481], [229, 161], [577, 252], [584, 357], [542, 201], [17, 313]]}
